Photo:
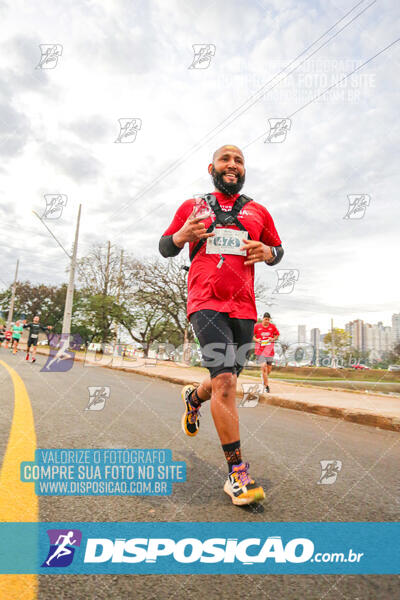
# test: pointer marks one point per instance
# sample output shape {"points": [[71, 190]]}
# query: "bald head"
{"points": [[227, 148], [227, 169]]}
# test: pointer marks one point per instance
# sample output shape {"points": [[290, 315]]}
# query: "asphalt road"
{"points": [[284, 449]]}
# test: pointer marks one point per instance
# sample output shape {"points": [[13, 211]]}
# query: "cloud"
{"points": [[73, 161], [14, 131]]}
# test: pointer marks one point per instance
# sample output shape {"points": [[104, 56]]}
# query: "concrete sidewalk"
{"points": [[376, 410]]}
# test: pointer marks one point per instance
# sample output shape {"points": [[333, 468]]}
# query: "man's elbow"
{"points": [[167, 247]]}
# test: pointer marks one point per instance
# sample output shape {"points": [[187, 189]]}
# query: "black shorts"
{"points": [[31, 342], [225, 343]]}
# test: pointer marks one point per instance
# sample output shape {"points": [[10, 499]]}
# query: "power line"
{"points": [[330, 87], [205, 138]]}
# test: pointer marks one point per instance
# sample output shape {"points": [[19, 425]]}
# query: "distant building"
{"points": [[301, 334], [376, 339], [315, 337], [395, 329], [357, 336]]}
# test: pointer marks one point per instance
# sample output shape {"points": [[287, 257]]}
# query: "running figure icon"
{"points": [[62, 549]]}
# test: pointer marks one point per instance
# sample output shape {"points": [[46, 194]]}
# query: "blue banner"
{"points": [[215, 548]]}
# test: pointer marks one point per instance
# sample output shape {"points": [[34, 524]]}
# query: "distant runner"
{"points": [[265, 334], [34, 329], [227, 234], [7, 336], [17, 331], [2, 334]]}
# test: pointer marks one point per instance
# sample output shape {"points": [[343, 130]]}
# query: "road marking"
{"points": [[18, 501]]}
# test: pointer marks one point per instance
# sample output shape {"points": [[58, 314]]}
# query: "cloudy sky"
{"points": [[131, 60]]}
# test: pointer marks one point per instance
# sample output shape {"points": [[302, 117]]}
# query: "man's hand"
{"points": [[193, 230], [256, 252]]}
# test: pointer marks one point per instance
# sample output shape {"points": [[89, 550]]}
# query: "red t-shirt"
{"points": [[229, 289], [265, 333]]}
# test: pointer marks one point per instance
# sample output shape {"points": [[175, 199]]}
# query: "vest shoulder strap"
{"points": [[222, 217]]}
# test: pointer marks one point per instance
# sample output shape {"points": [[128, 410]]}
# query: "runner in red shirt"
{"points": [[7, 336], [265, 334], [226, 238]]}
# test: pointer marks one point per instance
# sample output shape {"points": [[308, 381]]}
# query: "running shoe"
{"points": [[267, 389], [33, 359], [241, 487], [191, 416], [27, 356]]}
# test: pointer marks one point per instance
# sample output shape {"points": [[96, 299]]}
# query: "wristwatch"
{"points": [[274, 255]]}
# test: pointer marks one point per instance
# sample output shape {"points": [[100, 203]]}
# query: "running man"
{"points": [[224, 246], [62, 549], [17, 331], [265, 334], [34, 329], [2, 334], [7, 336]]}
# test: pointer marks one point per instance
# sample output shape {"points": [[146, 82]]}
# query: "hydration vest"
{"points": [[223, 217]]}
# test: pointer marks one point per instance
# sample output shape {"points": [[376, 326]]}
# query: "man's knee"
{"points": [[223, 384]]}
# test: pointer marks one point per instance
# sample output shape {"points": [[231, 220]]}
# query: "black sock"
{"points": [[233, 454]]}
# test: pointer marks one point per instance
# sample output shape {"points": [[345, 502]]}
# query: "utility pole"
{"points": [[333, 363], [13, 288], [66, 327], [118, 293]]}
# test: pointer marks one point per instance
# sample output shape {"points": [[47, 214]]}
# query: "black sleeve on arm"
{"points": [[278, 258], [167, 247]]}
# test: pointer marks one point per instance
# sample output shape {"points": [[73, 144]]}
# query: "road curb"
{"points": [[354, 416]]}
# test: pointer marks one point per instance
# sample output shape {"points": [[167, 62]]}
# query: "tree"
{"points": [[107, 277], [338, 343], [394, 355], [43, 300]]}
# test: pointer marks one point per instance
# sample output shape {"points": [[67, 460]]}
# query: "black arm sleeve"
{"points": [[167, 247], [279, 254]]}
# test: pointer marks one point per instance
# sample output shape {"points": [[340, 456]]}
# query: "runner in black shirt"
{"points": [[34, 329]]}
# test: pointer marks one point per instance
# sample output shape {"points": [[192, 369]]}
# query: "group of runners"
{"points": [[11, 337], [227, 234]]}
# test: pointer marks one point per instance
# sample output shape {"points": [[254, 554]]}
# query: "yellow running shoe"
{"points": [[241, 487], [191, 416]]}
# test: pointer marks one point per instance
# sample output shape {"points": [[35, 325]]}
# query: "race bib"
{"points": [[266, 342], [226, 241], [34, 335]]}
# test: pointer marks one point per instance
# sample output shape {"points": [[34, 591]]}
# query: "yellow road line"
{"points": [[18, 501]]}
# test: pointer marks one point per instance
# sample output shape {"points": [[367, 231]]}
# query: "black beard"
{"points": [[227, 188]]}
